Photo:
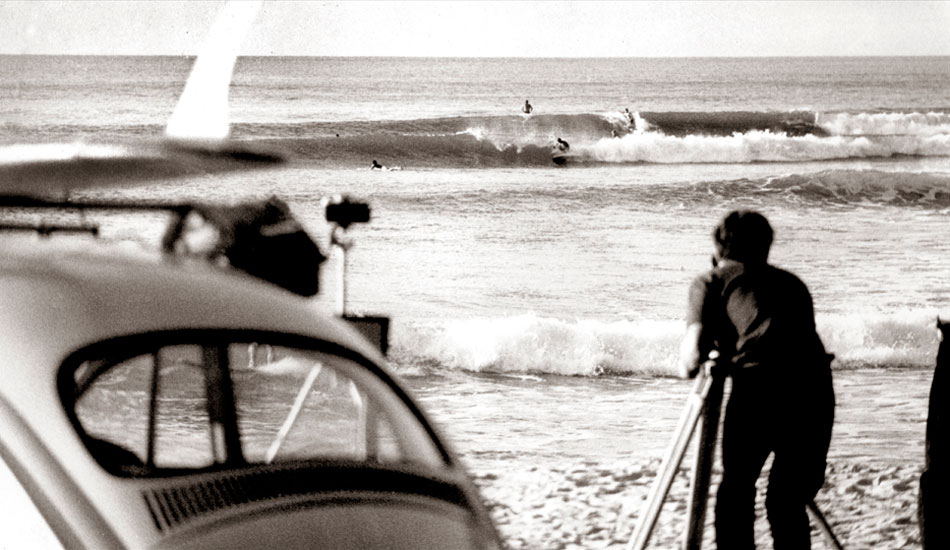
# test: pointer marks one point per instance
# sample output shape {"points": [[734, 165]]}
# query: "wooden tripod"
{"points": [[703, 405]]}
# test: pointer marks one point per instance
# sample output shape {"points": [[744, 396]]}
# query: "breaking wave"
{"points": [[595, 138], [530, 344], [615, 137]]}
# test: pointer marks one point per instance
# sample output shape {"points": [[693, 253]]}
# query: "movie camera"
{"points": [[344, 212]]}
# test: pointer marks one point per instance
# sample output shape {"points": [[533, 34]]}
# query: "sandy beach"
{"points": [[596, 506], [574, 490]]}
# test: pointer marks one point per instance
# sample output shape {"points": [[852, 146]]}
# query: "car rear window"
{"points": [[159, 405]]}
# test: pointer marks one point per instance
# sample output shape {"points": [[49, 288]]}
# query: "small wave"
{"points": [[832, 187], [530, 344], [862, 187]]}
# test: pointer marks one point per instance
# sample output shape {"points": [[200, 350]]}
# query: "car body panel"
{"points": [[56, 299]]}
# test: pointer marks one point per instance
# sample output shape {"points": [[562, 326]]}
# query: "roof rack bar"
{"points": [[17, 201], [46, 230]]}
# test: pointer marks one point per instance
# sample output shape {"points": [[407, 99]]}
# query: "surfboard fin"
{"points": [[202, 110]]}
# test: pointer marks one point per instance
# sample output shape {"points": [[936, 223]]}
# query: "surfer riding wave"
{"points": [[559, 151]]}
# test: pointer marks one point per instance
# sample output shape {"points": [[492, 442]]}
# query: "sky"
{"points": [[488, 29]]}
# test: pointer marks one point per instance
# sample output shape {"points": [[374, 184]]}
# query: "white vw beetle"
{"points": [[161, 400]]}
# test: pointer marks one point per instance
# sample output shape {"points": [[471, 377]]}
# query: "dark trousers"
{"points": [[933, 510], [759, 423]]}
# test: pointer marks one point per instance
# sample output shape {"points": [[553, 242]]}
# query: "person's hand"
{"points": [[713, 367]]}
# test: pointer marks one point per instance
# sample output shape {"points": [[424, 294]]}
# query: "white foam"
{"points": [[885, 124], [756, 146], [898, 339], [530, 343]]}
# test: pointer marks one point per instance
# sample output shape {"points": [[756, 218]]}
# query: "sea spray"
{"points": [[873, 339], [532, 344]]}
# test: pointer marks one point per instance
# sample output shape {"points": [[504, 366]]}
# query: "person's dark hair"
{"points": [[744, 236]]}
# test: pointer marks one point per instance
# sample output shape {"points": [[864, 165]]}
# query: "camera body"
{"points": [[345, 212]]}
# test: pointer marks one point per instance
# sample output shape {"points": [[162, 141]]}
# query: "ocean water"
{"points": [[537, 308]]}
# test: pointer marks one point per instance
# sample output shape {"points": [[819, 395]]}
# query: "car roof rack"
{"points": [[47, 229]]}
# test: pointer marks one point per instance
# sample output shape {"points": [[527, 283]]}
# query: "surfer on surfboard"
{"points": [[558, 152], [527, 108], [378, 166], [631, 119]]}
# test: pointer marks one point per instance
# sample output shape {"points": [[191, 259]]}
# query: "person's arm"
{"points": [[696, 343], [690, 354]]}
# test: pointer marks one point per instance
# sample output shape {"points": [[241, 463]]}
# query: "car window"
{"points": [[296, 405], [21, 524], [192, 406], [116, 410]]}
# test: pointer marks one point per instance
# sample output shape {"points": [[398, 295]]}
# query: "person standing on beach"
{"points": [[761, 321], [933, 510]]}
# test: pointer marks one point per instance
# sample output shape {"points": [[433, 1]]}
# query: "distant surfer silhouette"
{"points": [[527, 108], [378, 166], [631, 118]]}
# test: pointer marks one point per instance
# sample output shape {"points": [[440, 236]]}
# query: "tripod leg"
{"points": [[824, 527], [671, 462], [705, 453]]}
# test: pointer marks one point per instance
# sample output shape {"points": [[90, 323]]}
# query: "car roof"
{"points": [[57, 298]]}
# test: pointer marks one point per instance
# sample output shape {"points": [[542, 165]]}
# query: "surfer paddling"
{"points": [[378, 166], [761, 321]]}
